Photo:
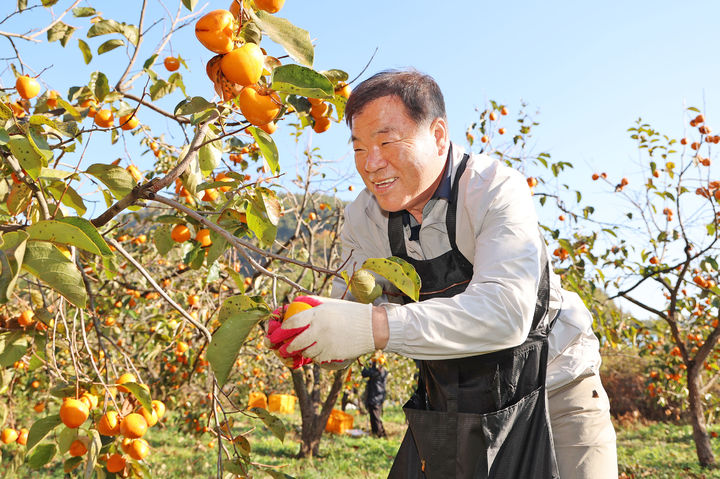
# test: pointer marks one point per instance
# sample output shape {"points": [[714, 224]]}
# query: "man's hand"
{"points": [[336, 330]]}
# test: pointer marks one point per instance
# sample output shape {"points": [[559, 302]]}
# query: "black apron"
{"points": [[483, 416]]}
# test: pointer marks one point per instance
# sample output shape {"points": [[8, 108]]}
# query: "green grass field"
{"points": [[657, 450]]}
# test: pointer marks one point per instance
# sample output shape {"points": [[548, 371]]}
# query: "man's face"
{"points": [[399, 160]]}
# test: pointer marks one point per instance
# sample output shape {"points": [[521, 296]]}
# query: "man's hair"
{"points": [[419, 93]]}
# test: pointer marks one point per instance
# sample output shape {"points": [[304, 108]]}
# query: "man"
{"points": [[376, 376], [491, 313]]}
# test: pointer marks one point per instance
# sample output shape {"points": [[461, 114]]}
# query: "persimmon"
{"points": [[258, 107], [595, 176], [133, 426], [501, 131], [234, 8], [210, 195], [26, 318], [9, 435], [532, 182], [226, 178], [159, 408], [312, 216], [109, 424], [51, 101], [294, 308], [125, 378], [683, 141], [27, 87], [77, 448], [270, 6], [503, 111], [180, 233], [73, 412], [138, 449], [322, 124], [268, 128], [134, 172], [484, 139], [90, 400], [17, 109], [151, 416], [216, 31], [23, 436], [203, 237], [243, 65], [115, 463], [129, 122], [316, 111], [343, 90], [492, 116], [104, 118], [39, 407], [171, 64]]}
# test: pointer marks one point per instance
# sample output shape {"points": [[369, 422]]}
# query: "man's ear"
{"points": [[439, 129]]}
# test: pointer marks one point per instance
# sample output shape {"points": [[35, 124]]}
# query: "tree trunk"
{"points": [[697, 417], [309, 399]]}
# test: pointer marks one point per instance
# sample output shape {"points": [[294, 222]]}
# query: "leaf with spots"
{"points": [[399, 272]]}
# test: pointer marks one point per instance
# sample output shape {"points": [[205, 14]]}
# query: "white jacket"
{"points": [[497, 230]]}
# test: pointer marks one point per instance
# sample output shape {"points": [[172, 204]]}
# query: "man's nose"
{"points": [[375, 160]]}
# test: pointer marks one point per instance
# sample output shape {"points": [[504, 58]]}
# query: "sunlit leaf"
{"points": [[13, 346], [110, 45], [114, 177], [399, 272], [294, 40], [85, 49], [41, 428], [300, 80], [268, 149], [228, 339], [41, 455], [47, 263]]}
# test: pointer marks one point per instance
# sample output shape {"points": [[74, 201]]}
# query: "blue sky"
{"points": [[589, 69]]}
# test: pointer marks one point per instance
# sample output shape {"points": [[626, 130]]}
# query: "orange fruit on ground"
{"points": [[294, 308], [258, 108], [115, 463], [22, 436], [159, 408], [171, 64], [138, 449], [216, 31], [134, 172], [180, 233], [77, 448], [322, 124], [151, 417], [73, 412], [243, 65], [125, 378], [104, 118], [270, 6], [203, 237], [26, 318], [9, 435], [109, 424], [27, 87], [133, 426], [129, 122]]}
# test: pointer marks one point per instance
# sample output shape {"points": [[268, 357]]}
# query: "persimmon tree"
{"points": [[163, 291]]}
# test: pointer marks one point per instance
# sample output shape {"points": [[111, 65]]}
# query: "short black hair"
{"points": [[418, 91]]}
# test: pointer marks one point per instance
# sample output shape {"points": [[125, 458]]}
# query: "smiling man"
{"points": [[508, 363]]}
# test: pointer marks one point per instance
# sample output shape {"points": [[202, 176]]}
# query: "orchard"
{"points": [[150, 240]]}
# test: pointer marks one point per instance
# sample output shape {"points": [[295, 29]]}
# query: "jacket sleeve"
{"points": [[495, 311]]}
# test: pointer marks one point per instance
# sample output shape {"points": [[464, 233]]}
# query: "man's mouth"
{"points": [[380, 185]]}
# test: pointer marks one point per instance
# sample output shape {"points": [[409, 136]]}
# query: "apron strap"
{"points": [[542, 303], [451, 214], [396, 234]]}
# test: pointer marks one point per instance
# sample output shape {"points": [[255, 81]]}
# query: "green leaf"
{"points": [[190, 4], [110, 45], [22, 5], [176, 79], [49, 3], [161, 88], [99, 85], [193, 105], [149, 62], [209, 155], [263, 214], [272, 422], [60, 31], [300, 80], [399, 272], [116, 178], [41, 428], [335, 75], [52, 174], [83, 12], [10, 270], [91, 232], [69, 108], [63, 233], [13, 346], [217, 248], [163, 239], [28, 156], [228, 339], [85, 49], [294, 40], [268, 149], [41, 455], [238, 304], [19, 198], [104, 27], [140, 393], [47, 263], [68, 196]]}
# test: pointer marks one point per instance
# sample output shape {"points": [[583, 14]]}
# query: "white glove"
{"points": [[338, 330]]}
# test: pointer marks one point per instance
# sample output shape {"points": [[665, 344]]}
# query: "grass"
{"points": [[654, 450]]}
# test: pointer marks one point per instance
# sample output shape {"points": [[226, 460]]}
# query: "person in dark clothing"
{"points": [[375, 394]]}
